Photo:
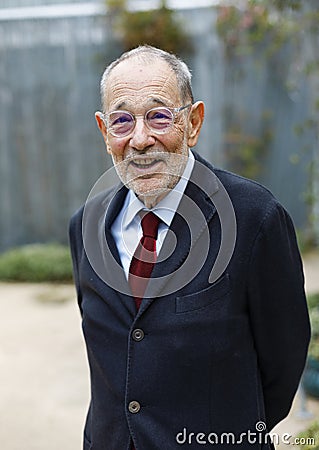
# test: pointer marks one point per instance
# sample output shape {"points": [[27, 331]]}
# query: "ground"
{"points": [[44, 387]]}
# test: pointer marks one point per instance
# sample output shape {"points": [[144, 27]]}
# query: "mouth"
{"points": [[145, 163]]}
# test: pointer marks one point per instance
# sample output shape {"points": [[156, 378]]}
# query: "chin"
{"points": [[148, 188]]}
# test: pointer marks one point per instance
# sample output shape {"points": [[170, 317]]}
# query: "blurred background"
{"points": [[255, 64]]}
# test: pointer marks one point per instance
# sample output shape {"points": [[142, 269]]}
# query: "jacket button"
{"points": [[138, 335], [134, 407]]}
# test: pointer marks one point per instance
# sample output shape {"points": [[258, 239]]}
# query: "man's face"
{"points": [[148, 163]]}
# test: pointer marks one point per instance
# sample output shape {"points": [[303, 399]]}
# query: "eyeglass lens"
{"points": [[122, 123]]}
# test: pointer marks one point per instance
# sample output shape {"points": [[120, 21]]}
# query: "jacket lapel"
{"points": [[176, 259], [190, 223], [101, 248]]}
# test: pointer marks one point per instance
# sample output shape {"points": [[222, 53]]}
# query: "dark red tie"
{"points": [[144, 258]]}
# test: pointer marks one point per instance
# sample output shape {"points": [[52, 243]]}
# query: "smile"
{"points": [[145, 163]]}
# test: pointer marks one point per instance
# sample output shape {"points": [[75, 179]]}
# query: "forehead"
{"points": [[135, 83]]}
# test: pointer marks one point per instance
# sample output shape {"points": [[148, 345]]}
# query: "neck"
{"points": [[152, 200]]}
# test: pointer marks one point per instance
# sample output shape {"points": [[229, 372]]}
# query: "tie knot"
{"points": [[150, 224]]}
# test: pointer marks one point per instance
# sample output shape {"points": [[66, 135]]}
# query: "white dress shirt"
{"points": [[127, 230]]}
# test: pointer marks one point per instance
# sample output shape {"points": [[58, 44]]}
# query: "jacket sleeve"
{"points": [[75, 241], [278, 311]]}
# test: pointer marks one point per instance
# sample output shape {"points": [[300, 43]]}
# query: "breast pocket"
{"points": [[213, 295]]}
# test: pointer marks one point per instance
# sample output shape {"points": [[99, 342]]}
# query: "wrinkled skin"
{"points": [[148, 163]]}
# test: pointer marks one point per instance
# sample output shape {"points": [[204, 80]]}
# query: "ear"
{"points": [[102, 127], [195, 121]]}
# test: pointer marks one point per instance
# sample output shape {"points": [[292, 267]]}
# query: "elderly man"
{"points": [[189, 279]]}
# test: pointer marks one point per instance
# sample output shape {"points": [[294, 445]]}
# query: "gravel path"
{"points": [[44, 375]]}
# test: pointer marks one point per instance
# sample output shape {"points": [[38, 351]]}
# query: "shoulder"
{"points": [[248, 197], [92, 207], [244, 188], [234, 182]]}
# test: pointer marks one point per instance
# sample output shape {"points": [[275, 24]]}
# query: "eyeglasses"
{"points": [[159, 120]]}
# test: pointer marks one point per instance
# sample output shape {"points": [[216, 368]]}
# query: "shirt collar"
{"points": [[167, 207]]}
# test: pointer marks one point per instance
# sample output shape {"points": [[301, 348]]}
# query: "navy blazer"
{"points": [[199, 359]]}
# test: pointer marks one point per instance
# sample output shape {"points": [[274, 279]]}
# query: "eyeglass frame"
{"points": [[173, 111]]}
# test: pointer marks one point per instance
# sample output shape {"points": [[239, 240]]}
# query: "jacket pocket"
{"points": [[204, 298]]}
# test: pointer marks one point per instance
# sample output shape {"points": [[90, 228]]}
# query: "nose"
{"points": [[142, 137]]}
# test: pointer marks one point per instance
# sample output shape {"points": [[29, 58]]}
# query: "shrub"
{"points": [[313, 300], [158, 27], [309, 439], [36, 263], [313, 304]]}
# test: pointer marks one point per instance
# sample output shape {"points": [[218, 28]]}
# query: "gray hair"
{"points": [[144, 53]]}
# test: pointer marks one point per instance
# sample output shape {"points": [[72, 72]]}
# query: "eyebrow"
{"points": [[124, 104]]}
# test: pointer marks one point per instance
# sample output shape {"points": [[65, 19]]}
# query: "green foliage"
{"points": [[263, 29], [252, 29], [36, 263], [116, 5], [309, 439], [313, 304], [281, 5], [159, 28], [306, 239], [245, 154]]}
